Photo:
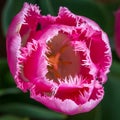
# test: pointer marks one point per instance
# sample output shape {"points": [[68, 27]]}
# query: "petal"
{"points": [[95, 98], [68, 106], [76, 94], [31, 24], [101, 54], [13, 35], [117, 32], [31, 65], [65, 17], [47, 20], [99, 48], [91, 23]]}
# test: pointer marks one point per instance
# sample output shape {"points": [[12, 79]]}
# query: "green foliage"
{"points": [[5, 75], [111, 101], [10, 117], [15, 105], [31, 111]]}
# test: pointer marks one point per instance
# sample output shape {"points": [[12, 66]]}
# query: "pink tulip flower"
{"points": [[117, 32], [61, 60]]}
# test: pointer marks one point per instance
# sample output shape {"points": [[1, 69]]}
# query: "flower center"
{"points": [[62, 59]]}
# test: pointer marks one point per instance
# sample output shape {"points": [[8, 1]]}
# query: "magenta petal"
{"points": [[95, 98], [28, 62], [65, 17], [98, 45], [100, 54], [117, 32], [68, 106], [98, 42], [73, 93], [13, 36]]}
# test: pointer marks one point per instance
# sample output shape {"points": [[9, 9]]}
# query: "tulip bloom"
{"points": [[61, 60], [117, 32]]}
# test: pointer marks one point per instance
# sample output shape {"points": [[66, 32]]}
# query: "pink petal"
{"points": [[117, 32], [32, 64], [68, 106], [65, 17], [100, 55], [73, 93], [98, 45], [29, 60], [103, 54], [13, 35], [96, 97]]}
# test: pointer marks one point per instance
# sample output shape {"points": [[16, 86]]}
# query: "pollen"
{"points": [[54, 61]]}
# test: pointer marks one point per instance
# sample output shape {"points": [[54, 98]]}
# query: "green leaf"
{"points": [[6, 79], [112, 7], [3, 66], [10, 117], [7, 91], [31, 111], [115, 71], [111, 101]]}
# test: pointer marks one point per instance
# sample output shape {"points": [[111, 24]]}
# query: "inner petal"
{"points": [[30, 26], [62, 59], [78, 95]]}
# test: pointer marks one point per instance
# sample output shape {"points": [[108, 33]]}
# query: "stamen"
{"points": [[52, 73], [54, 60]]}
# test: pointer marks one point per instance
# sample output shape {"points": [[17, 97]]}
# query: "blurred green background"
{"points": [[16, 105]]}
